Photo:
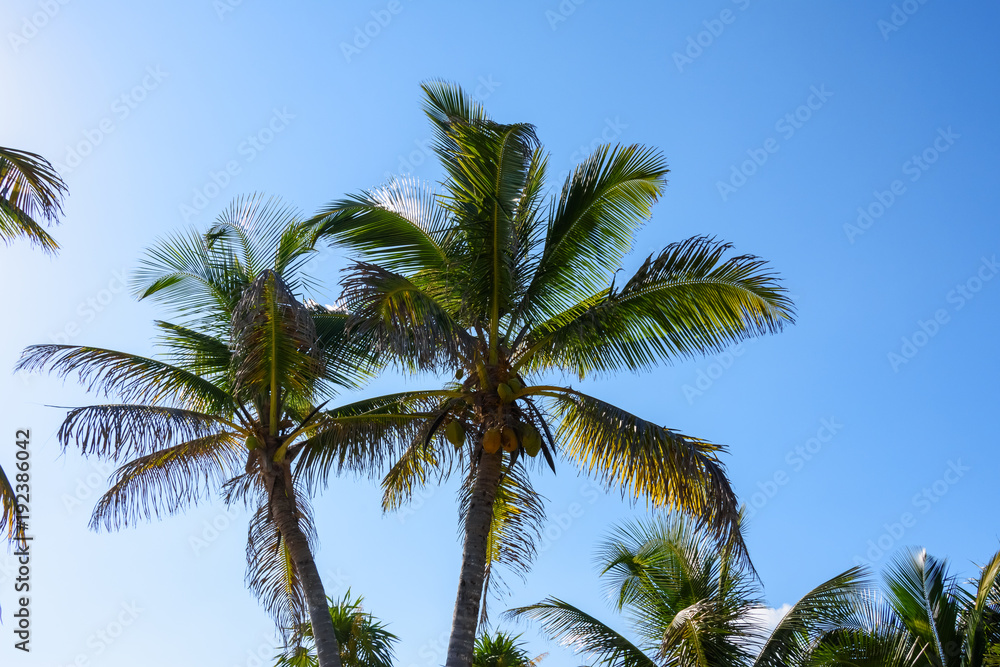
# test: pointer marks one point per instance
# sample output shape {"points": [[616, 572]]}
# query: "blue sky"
{"points": [[851, 144]]}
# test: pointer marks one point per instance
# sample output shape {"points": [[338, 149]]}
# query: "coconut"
{"points": [[491, 441], [510, 443], [455, 432]]}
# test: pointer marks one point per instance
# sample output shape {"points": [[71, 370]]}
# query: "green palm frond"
{"points": [[648, 461], [602, 204], [500, 649], [271, 573], [196, 352], [873, 636], [122, 431], [30, 191], [584, 634], [168, 481], [829, 606], [275, 347], [397, 317], [981, 617], [686, 301], [398, 226], [923, 595], [361, 437], [131, 378], [351, 360]]}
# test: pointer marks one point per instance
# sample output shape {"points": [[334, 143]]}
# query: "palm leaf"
{"points": [[688, 300], [123, 431], [574, 628], [132, 378], [11, 520], [30, 190], [168, 481], [644, 460]]}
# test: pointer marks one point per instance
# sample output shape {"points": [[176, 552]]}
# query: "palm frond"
{"points": [[603, 203], [922, 594], [398, 226], [124, 431], [399, 318], [688, 300], [131, 378], [30, 191], [648, 461], [271, 573], [168, 481], [585, 634], [275, 346], [827, 607]]}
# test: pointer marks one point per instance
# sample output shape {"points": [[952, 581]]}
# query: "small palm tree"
{"points": [[234, 404], [925, 619], [364, 640], [691, 603], [493, 282], [30, 190], [500, 649]]}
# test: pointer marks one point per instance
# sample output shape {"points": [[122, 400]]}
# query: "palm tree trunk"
{"points": [[470, 582], [283, 510]]}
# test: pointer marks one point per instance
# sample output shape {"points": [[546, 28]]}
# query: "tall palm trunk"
{"points": [[470, 583], [283, 509]]}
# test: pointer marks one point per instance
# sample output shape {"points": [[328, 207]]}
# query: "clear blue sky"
{"points": [[779, 120]]}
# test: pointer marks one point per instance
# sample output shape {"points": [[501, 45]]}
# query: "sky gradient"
{"points": [[853, 145]]}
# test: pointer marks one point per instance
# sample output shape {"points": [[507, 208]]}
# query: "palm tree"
{"points": [[925, 619], [691, 603], [364, 640], [231, 406], [497, 283], [30, 189], [500, 649]]}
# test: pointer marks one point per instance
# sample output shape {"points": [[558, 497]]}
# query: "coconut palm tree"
{"points": [[364, 640], [30, 190], [924, 619], [496, 282], [231, 405], [501, 649], [691, 603]]}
